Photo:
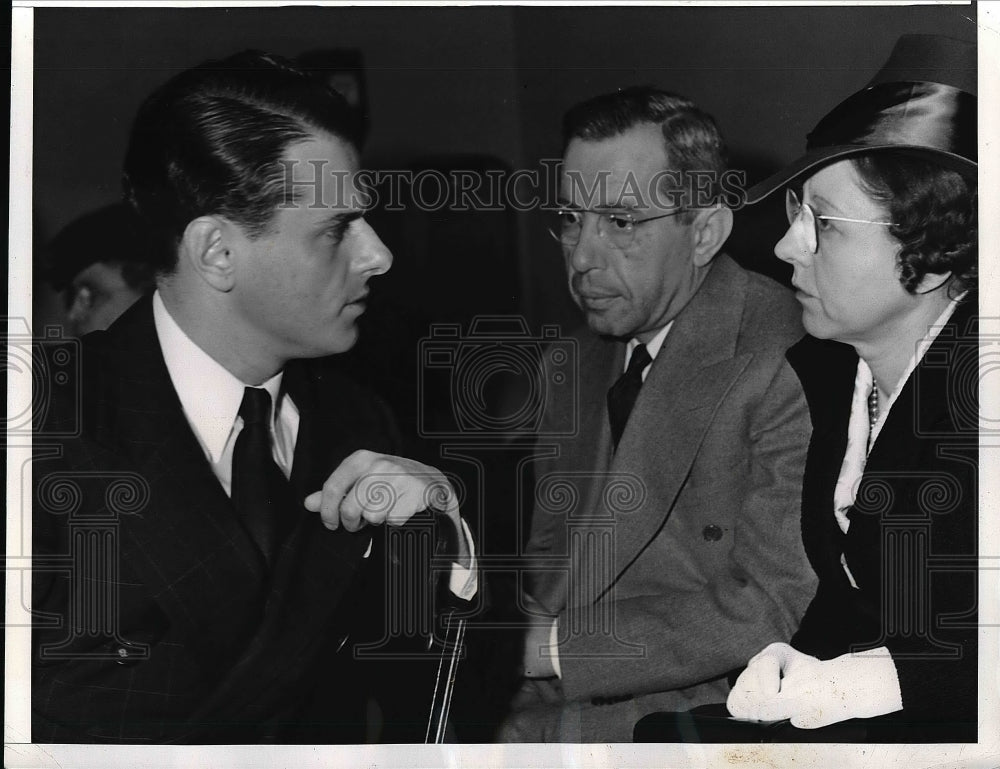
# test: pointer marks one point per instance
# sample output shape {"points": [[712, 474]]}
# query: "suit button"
{"points": [[127, 655], [712, 533], [130, 653]]}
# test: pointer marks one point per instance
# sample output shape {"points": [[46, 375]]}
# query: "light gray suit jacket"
{"points": [[672, 561]]}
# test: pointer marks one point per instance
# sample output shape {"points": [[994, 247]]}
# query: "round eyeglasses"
{"points": [[618, 229], [795, 209]]}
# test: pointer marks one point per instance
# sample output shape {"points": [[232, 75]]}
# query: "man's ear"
{"points": [[711, 228], [206, 248]]}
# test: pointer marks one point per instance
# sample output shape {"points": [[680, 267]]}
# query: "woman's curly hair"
{"points": [[934, 210]]}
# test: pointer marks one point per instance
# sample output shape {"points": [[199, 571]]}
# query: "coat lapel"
{"points": [[827, 370], [330, 428], [603, 361], [584, 467], [187, 546], [921, 410], [315, 570], [688, 380]]}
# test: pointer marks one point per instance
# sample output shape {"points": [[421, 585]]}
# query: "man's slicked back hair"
{"points": [[209, 140]]}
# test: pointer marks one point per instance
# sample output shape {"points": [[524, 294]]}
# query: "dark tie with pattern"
{"points": [[622, 395], [259, 489]]}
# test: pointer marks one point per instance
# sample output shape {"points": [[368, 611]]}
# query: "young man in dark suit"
{"points": [[218, 558]]}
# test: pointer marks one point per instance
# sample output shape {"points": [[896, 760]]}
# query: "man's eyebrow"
{"points": [[601, 208], [616, 208], [343, 217]]}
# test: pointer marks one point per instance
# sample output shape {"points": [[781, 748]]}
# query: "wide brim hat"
{"points": [[922, 101]]}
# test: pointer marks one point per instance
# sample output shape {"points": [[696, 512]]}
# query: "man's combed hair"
{"points": [[934, 211], [209, 140], [691, 137]]}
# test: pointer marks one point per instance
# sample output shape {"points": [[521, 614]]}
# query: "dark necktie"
{"points": [[622, 395], [259, 488]]}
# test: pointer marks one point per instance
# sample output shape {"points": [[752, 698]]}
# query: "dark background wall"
{"points": [[767, 74], [489, 81], [440, 80]]}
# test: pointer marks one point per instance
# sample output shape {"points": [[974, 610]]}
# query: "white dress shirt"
{"points": [[216, 423], [214, 420], [652, 346]]}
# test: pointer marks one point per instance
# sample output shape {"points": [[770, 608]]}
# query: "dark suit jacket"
{"points": [[155, 620], [911, 544], [682, 549]]}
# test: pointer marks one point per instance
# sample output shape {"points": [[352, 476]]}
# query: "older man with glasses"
{"points": [[679, 549]]}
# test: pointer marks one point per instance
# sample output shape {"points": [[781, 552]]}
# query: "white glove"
{"points": [[781, 682]]}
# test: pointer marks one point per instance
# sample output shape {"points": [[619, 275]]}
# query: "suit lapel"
{"points": [[584, 466], [827, 371], [920, 411], [330, 428], [187, 545], [315, 568], [688, 380], [603, 361]]}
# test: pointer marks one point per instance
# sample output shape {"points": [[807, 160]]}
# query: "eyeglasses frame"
{"points": [[796, 210], [607, 216]]}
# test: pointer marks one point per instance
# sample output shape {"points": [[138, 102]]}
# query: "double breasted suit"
{"points": [[911, 543], [156, 620], [672, 560]]}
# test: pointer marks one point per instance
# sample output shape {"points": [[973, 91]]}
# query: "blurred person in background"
{"points": [[101, 263]]}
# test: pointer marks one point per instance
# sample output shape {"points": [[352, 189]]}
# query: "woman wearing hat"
{"points": [[883, 241]]}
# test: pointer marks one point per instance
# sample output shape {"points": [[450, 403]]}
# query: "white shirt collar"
{"points": [[653, 346], [209, 393]]}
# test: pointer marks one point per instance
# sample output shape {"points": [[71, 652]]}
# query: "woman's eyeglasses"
{"points": [[795, 209]]}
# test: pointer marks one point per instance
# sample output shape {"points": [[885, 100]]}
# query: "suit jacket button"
{"points": [[712, 533], [129, 653], [125, 655]]}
